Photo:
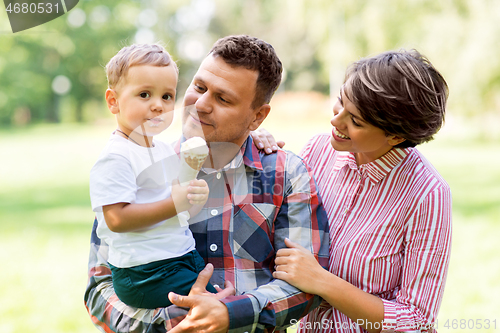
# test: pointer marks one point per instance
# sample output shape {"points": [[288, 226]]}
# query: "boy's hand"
{"points": [[198, 195], [195, 194], [180, 196], [198, 192]]}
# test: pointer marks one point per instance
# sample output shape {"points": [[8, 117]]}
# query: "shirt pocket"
{"points": [[252, 231]]}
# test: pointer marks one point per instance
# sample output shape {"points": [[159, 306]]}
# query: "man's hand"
{"points": [[206, 312]]}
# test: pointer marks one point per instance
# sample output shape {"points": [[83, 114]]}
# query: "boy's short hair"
{"points": [[254, 54], [135, 55], [399, 92]]}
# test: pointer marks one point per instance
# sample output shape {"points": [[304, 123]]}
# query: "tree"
{"points": [[315, 40]]}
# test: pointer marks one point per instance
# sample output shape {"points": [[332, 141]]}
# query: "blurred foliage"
{"points": [[316, 40]]}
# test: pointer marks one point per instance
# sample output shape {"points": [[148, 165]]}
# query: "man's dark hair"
{"points": [[253, 54], [399, 92]]}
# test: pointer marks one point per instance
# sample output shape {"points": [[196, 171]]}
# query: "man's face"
{"points": [[217, 104]]}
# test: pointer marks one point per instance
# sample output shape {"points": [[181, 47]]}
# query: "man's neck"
{"points": [[221, 153]]}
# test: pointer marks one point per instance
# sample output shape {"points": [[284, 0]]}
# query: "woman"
{"points": [[389, 210]]}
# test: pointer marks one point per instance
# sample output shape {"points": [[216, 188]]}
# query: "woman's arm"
{"points": [[425, 265], [415, 307], [298, 267]]}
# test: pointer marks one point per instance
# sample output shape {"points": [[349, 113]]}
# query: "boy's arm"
{"points": [[195, 210], [113, 190], [126, 217]]}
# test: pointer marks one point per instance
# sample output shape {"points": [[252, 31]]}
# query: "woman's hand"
{"points": [[263, 140], [299, 267]]}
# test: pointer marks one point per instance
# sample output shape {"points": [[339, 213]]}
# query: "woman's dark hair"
{"points": [[253, 54], [399, 92]]}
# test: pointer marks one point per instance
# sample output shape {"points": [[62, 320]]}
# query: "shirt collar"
{"points": [[251, 156], [376, 170]]}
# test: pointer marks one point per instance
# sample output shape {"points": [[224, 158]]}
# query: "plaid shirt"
{"points": [[255, 202]]}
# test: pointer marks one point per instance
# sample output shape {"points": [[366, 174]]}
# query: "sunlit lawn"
{"points": [[45, 222]]}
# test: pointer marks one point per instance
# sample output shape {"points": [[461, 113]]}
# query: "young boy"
{"points": [[141, 209]]}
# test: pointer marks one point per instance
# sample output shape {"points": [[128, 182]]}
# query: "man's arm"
{"points": [[302, 219], [107, 312]]}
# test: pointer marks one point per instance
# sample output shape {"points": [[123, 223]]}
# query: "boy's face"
{"points": [[144, 99]]}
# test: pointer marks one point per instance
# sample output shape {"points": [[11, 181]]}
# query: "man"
{"points": [[255, 202]]}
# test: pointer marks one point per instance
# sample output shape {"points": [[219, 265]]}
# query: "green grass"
{"points": [[473, 173], [45, 223]]}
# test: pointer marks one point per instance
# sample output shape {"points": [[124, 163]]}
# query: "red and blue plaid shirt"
{"points": [[255, 202]]}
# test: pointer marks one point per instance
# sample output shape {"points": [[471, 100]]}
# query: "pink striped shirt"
{"points": [[390, 234]]}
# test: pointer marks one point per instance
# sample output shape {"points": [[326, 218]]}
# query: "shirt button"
{"points": [[213, 247], [214, 212], [218, 175]]}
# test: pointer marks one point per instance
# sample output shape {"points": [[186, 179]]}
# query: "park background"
{"points": [[54, 122]]}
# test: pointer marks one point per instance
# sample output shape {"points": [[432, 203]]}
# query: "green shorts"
{"points": [[147, 286]]}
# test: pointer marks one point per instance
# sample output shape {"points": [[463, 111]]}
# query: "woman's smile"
{"points": [[338, 135]]}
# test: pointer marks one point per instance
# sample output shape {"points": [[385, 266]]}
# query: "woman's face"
{"points": [[351, 133]]}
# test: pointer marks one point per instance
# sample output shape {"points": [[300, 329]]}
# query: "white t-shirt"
{"points": [[127, 172]]}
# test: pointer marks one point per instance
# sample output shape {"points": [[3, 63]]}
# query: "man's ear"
{"points": [[395, 140], [112, 101], [259, 116]]}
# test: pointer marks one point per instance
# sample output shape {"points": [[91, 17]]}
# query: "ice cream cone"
{"points": [[194, 152]]}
